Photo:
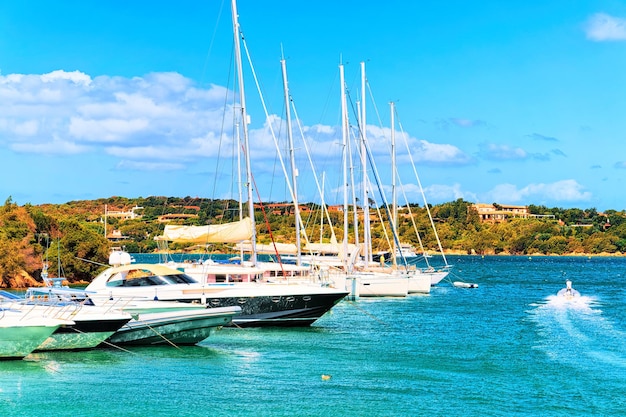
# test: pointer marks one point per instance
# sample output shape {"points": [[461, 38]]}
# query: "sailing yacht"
{"points": [[265, 292]]}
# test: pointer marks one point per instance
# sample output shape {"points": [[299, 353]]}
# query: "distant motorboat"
{"points": [[568, 292], [461, 284], [406, 250]]}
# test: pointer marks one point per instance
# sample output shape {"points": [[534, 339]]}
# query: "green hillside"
{"points": [[71, 236]]}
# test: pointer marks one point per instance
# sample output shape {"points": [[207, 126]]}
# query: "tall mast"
{"points": [[367, 237], [344, 135], [294, 171], [394, 206], [245, 122], [323, 208]]}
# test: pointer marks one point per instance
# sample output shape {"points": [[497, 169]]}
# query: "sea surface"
{"points": [[506, 348]]}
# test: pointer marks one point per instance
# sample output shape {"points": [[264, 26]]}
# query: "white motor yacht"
{"points": [[262, 302]]}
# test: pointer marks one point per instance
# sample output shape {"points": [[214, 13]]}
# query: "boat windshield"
{"points": [[143, 278]]}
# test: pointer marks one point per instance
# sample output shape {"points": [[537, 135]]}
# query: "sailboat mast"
{"points": [[323, 206], [244, 120], [394, 198], [292, 157], [367, 237], [344, 135]]}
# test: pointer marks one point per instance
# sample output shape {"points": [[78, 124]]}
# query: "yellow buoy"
{"points": [[325, 377]]}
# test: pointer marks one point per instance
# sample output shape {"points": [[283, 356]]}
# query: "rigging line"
{"points": [[267, 118], [423, 195], [419, 238], [213, 37], [324, 206], [408, 206], [370, 157], [380, 215], [369, 88], [267, 224], [222, 129], [91, 262]]}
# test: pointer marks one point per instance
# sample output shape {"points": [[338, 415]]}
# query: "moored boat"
{"points": [[90, 325], [21, 334], [146, 322], [262, 303], [381, 284], [155, 324]]}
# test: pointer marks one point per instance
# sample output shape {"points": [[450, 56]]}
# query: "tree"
{"points": [[79, 252]]}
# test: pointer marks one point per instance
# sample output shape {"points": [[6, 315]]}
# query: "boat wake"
{"points": [[574, 332]]}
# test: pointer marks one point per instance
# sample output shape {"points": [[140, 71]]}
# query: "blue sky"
{"points": [[507, 102]]}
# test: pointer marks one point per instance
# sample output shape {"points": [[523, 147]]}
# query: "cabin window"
{"points": [[144, 278]]}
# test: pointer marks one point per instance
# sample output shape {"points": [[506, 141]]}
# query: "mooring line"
{"points": [[160, 335], [363, 311], [106, 343]]}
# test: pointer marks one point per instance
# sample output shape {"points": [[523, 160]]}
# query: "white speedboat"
{"points": [[91, 325], [568, 292], [262, 303], [146, 322], [21, 333]]}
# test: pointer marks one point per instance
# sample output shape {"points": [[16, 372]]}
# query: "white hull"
{"points": [[382, 285], [419, 283], [91, 325], [437, 276], [19, 337], [275, 302]]}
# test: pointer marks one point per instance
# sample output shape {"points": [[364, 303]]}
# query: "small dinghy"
{"points": [[568, 292], [460, 284]]}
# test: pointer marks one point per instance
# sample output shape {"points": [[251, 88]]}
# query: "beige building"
{"points": [[500, 212]]}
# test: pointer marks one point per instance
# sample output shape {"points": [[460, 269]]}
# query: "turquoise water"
{"points": [[505, 348]]}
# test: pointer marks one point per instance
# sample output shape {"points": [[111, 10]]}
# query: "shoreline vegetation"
{"points": [[75, 238]]}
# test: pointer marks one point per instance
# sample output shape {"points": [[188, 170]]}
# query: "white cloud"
{"points": [[560, 191], [56, 146], [435, 152], [441, 193], [105, 130], [76, 77], [149, 166], [497, 152], [28, 128], [159, 117], [603, 27]]}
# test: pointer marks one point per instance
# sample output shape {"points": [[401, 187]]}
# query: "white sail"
{"points": [[213, 233], [269, 248]]}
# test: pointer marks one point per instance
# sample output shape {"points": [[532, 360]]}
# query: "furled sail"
{"points": [[213, 233], [269, 248]]}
